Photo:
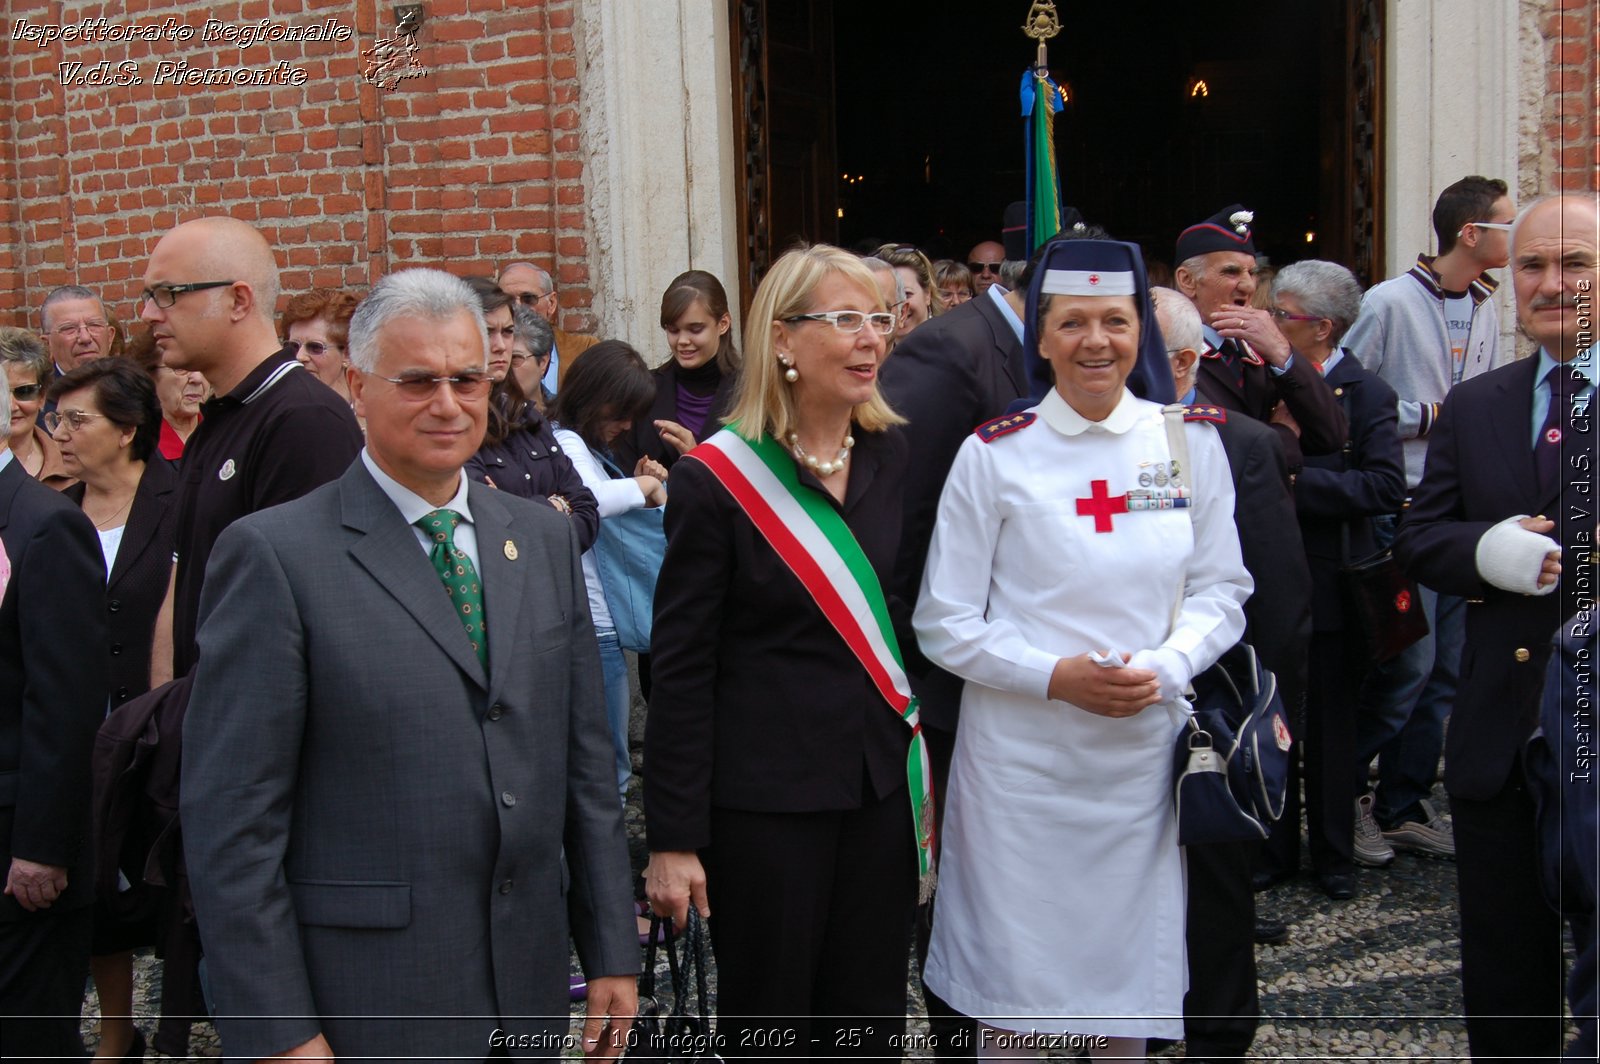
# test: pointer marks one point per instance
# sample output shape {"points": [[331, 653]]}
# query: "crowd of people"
{"points": [[931, 554]]}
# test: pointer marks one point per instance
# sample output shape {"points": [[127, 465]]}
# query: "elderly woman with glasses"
{"points": [[784, 784], [181, 391], [1336, 497], [106, 422], [27, 365], [317, 323]]}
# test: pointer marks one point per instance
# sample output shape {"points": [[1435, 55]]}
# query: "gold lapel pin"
{"points": [[511, 551]]}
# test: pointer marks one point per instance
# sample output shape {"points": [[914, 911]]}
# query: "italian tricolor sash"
{"points": [[819, 548]]}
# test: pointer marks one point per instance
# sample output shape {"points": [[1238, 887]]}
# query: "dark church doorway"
{"points": [[867, 120]]}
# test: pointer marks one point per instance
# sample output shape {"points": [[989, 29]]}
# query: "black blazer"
{"points": [[52, 690], [756, 702], [1278, 612], [1346, 490], [644, 439], [138, 581], [952, 374], [1301, 389], [530, 463], [1480, 471]]}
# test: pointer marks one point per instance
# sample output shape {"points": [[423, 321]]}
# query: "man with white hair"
{"points": [[398, 791], [75, 325], [271, 432], [52, 700], [1504, 517], [533, 287]]}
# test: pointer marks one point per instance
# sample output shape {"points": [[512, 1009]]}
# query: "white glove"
{"points": [[1510, 557], [1171, 668]]}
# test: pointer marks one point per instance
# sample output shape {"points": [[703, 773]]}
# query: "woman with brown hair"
{"points": [[181, 391], [318, 324], [695, 387]]}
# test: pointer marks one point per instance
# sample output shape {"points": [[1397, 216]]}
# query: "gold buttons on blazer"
{"points": [[1522, 655]]}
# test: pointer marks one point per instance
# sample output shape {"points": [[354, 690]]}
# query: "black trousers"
{"points": [[811, 923], [1323, 757], [1222, 1006], [44, 963], [1511, 962]]}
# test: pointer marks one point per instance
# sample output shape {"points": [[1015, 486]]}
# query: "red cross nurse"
{"points": [[1078, 578]]}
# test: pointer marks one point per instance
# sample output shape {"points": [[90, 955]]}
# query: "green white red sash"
{"points": [[819, 548]]}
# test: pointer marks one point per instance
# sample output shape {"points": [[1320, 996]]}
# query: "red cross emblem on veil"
{"points": [[1094, 278]]}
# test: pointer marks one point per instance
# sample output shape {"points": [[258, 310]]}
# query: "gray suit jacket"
{"points": [[386, 845]]}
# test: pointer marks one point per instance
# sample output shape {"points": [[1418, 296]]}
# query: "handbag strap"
{"points": [[1178, 452]]}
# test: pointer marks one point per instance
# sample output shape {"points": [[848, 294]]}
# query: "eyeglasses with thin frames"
{"points": [[528, 299], [73, 328], [75, 420], [850, 321], [419, 389], [1284, 315], [165, 295], [314, 348]]}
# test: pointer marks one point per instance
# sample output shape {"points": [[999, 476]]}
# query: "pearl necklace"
{"points": [[816, 465]]}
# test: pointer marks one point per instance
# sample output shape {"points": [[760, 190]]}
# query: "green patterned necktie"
{"points": [[460, 577]]}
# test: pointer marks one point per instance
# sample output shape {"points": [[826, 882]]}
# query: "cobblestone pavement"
{"points": [[1374, 977]]}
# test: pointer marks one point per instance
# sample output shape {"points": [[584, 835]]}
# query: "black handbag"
{"points": [[1382, 606], [1231, 759], [1231, 755], [670, 1027]]}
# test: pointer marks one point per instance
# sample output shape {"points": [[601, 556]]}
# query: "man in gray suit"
{"points": [[398, 797]]}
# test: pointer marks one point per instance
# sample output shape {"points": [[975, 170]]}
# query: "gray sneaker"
{"points": [[1433, 837], [1371, 849]]}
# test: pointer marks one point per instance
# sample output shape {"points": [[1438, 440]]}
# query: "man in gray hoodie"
{"points": [[1425, 332]]}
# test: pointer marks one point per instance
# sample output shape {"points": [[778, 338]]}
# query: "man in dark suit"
{"points": [[1246, 364], [52, 698], [1515, 442], [1222, 1005], [952, 374], [398, 794]]}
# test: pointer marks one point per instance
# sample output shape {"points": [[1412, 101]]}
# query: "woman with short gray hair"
{"points": [[1336, 496]]}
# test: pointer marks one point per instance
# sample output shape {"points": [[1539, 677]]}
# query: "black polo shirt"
{"points": [[276, 436]]}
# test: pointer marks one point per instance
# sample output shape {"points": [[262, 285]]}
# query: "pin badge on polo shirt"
{"points": [[227, 471]]}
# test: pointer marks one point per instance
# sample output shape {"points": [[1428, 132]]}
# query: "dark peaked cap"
{"points": [[1220, 232]]}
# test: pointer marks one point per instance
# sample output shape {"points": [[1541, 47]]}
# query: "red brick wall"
{"points": [[1572, 104], [470, 165]]}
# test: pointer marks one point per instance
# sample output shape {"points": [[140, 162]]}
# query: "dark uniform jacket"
{"points": [[952, 374], [530, 463], [1301, 389], [1480, 471]]}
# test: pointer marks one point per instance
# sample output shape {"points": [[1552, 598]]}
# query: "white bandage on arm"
{"points": [[1510, 557]]}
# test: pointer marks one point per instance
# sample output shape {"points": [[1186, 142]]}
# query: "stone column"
{"points": [[658, 137]]}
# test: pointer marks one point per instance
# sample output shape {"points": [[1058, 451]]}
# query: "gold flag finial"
{"points": [[1042, 24]]}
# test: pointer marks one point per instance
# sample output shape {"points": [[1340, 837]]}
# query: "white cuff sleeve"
{"points": [[1510, 557]]}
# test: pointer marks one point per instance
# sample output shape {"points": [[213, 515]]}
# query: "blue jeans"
{"points": [[1404, 703], [614, 672]]}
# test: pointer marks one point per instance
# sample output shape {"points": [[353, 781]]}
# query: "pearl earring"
{"points": [[790, 374]]}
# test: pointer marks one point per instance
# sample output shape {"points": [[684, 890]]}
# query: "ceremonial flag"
{"points": [[1041, 99]]}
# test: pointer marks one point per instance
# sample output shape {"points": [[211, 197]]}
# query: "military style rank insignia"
{"points": [[1214, 414], [990, 431]]}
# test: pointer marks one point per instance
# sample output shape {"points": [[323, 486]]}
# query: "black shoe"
{"points": [[1271, 932], [1339, 886], [1267, 880]]}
